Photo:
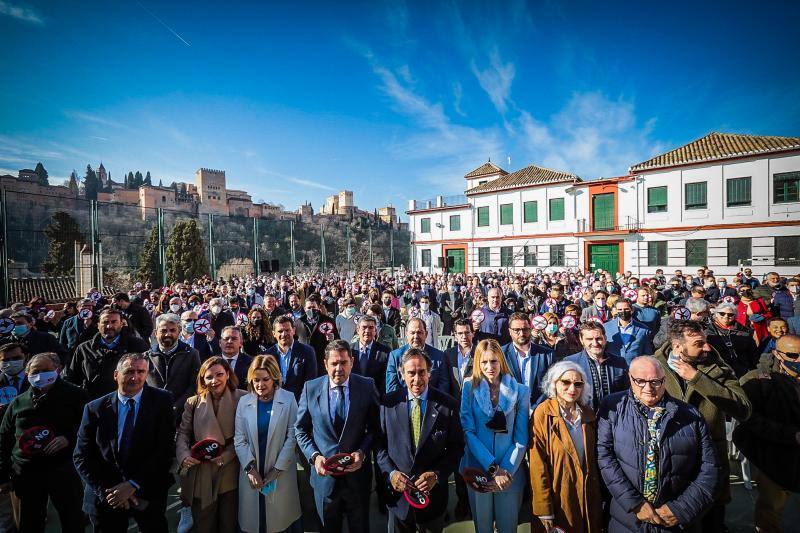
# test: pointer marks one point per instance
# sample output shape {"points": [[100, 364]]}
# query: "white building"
{"points": [[724, 200]]}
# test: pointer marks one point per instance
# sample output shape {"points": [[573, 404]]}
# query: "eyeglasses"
{"points": [[518, 330], [788, 355], [567, 383], [726, 314], [655, 383]]}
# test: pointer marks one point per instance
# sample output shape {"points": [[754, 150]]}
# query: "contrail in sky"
{"points": [[163, 24]]}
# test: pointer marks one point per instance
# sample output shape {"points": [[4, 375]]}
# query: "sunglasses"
{"points": [[567, 383], [726, 314], [788, 355], [655, 383]]}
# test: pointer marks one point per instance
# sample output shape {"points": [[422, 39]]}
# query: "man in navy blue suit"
{"points": [[124, 450], [425, 446], [527, 360], [230, 343], [338, 413], [297, 361], [608, 373], [369, 356], [627, 338], [416, 333]]}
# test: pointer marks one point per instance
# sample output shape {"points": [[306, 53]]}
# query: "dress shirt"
{"points": [[283, 359], [463, 359], [626, 332], [333, 397], [122, 411], [363, 350], [524, 361], [188, 340], [423, 402], [232, 360]]}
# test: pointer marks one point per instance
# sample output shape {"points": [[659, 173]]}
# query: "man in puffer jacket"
{"points": [[655, 455]]}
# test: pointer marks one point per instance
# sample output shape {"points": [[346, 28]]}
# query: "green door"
{"points": [[604, 256], [602, 212], [458, 260]]}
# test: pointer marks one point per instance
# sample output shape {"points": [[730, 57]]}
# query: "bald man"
{"points": [[770, 438], [679, 472]]}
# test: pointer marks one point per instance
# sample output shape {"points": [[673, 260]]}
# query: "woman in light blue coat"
{"points": [[494, 415]]}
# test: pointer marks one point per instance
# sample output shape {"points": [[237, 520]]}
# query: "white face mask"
{"points": [[216, 309], [424, 306], [174, 308]]}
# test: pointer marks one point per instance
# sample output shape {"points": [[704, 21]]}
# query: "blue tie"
{"points": [[363, 358], [127, 431], [339, 415]]}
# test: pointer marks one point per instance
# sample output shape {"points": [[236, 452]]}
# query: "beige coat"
{"points": [[283, 505], [206, 480]]}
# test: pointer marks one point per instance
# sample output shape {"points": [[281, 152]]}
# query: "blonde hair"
{"points": [[268, 364], [488, 345]]}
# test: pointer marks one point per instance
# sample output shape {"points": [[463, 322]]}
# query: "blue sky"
{"points": [[393, 100]]}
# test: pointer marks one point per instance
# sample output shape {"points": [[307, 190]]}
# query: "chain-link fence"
{"points": [[99, 244]]}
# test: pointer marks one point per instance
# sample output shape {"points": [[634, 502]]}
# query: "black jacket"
{"points": [[736, 346], [139, 320], [176, 373], [92, 366], [376, 363], [36, 342]]}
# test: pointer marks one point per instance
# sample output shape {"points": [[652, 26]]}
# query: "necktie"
{"points": [[339, 415], [127, 431], [362, 360], [416, 421]]}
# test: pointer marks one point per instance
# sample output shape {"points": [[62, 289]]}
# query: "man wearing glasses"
{"points": [[732, 341], [697, 375], [527, 360], [770, 438], [664, 478]]}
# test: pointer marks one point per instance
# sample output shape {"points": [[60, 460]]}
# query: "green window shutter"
{"points": [[657, 253], [483, 216], [531, 212], [696, 252], [696, 195], [786, 187], [656, 199], [603, 212], [740, 250], [455, 222], [738, 191], [484, 255], [506, 214], [506, 256], [556, 209], [425, 225]]}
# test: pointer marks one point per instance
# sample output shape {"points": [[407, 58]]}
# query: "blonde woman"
{"points": [[265, 443]]}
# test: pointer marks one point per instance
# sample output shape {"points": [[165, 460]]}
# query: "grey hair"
{"points": [[169, 318], [725, 305], [696, 305], [50, 356], [130, 358], [555, 372]]}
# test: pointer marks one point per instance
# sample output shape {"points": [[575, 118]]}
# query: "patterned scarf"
{"points": [[650, 484]]}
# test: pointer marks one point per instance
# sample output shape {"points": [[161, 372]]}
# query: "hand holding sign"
{"points": [[539, 322]]}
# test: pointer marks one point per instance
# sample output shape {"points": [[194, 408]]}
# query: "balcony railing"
{"points": [[440, 201], [631, 225]]}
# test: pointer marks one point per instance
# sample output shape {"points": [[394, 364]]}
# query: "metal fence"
{"points": [[39, 236]]}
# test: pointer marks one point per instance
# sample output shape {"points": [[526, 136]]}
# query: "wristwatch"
{"points": [[492, 469], [250, 467]]}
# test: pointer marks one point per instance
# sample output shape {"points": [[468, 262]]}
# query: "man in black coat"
{"points": [[34, 341], [124, 451], [92, 366], [426, 445], [297, 361], [230, 343], [76, 330], [174, 365], [316, 329], [370, 356], [391, 315], [138, 317]]}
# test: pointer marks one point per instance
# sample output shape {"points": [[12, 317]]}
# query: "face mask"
{"points": [[794, 289], [12, 368], [20, 330], [791, 366], [387, 304], [708, 285], [723, 284], [633, 285], [600, 303], [312, 314], [42, 379], [350, 311], [610, 288], [188, 327], [626, 315], [424, 306], [174, 308], [216, 309], [250, 292], [552, 328]]}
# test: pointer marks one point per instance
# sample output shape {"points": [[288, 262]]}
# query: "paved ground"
{"points": [[739, 512]]}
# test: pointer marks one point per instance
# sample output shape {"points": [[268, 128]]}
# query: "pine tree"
{"points": [[73, 183], [186, 256], [62, 232], [131, 181], [137, 180], [148, 261], [91, 184], [42, 173], [147, 180], [160, 183]]}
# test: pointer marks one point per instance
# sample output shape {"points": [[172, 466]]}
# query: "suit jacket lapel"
{"points": [[324, 405], [113, 425], [278, 406], [403, 425]]}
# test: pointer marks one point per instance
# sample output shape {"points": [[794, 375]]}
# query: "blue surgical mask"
{"points": [[792, 366], [552, 329], [43, 379], [20, 330], [12, 368], [188, 327]]}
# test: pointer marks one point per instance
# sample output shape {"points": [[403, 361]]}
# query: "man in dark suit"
{"points": [[627, 337], [416, 333], [315, 329], [76, 330], [599, 310], [189, 336], [124, 450], [430, 292], [338, 413], [451, 307], [527, 360], [606, 373], [297, 361], [174, 365], [230, 343], [370, 356], [425, 446], [391, 315]]}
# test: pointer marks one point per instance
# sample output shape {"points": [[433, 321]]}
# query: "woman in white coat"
{"points": [[269, 501]]}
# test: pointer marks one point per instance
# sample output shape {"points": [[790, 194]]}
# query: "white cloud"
{"points": [[22, 13], [496, 80], [458, 94]]}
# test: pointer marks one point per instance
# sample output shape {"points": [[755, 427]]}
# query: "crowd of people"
{"points": [[578, 401]]}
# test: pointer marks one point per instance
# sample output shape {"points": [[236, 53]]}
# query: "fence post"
{"points": [[96, 250], [256, 257], [5, 290], [369, 231], [291, 245], [211, 258], [391, 250], [349, 250], [162, 253], [322, 246]]}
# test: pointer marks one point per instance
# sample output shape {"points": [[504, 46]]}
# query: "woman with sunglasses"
{"points": [[564, 477], [732, 341], [494, 416]]}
